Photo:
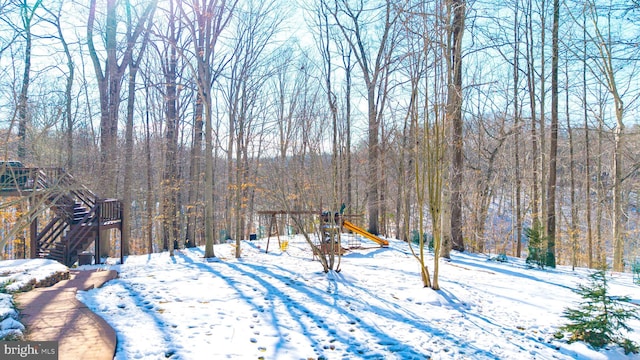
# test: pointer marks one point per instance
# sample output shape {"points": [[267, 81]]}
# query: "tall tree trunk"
{"points": [[553, 143], [374, 67], [542, 118], [69, 98], [109, 87], [587, 145], [372, 160], [348, 176], [209, 19], [27, 14], [195, 175], [531, 81], [209, 205], [516, 116], [609, 72], [170, 186], [234, 100], [618, 216], [170, 170], [600, 193], [454, 114], [127, 196], [150, 189], [573, 227], [134, 65]]}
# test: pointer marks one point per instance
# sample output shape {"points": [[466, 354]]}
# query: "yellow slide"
{"points": [[349, 226]]}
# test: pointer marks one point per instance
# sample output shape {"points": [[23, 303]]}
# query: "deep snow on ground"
{"points": [[280, 305]]}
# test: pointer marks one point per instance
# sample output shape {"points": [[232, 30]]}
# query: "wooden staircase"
{"points": [[79, 215]]}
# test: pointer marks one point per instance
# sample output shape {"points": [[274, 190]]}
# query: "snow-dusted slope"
{"points": [[281, 305]]}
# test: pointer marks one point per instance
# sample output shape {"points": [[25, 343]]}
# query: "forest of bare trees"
{"points": [[465, 122]]}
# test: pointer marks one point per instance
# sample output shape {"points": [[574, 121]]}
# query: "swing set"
{"points": [[329, 225], [272, 228]]}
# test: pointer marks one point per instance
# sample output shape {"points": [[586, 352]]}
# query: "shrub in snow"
{"points": [[536, 245], [10, 328], [600, 319], [636, 272], [11, 323], [6, 307]]}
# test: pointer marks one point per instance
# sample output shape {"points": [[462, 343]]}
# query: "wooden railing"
{"points": [[110, 211], [50, 233], [76, 238], [66, 234]]}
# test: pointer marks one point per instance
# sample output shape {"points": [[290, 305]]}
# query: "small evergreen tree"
{"points": [[601, 318], [535, 241]]}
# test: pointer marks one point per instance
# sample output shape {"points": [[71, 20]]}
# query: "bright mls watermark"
{"points": [[30, 350]]}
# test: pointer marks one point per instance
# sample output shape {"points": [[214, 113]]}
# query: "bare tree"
{"points": [[27, 15], [353, 20], [553, 143], [427, 70], [134, 66], [245, 83], [587, 145], [324, 36], [613, 77], [68, 111], [531, 87], [170, 172], [457, 14], [116, 61], [517, 113], [205, 22], [110, 77]]}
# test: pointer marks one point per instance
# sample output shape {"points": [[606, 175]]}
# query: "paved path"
{"points": [[54, 314]]}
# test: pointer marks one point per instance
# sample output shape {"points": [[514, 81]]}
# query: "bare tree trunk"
{"points": [[210, 18], [170, 186], [332, 101], [373, 67], [587, 145], [454, 114], [149, 201], [195, 175], [346, 60], [110, 86], [531, 81], [542, 115], [516, 116], [402, 216], [382, 187], [209, 207], [553, 143], [68, 115], [608, 71], [27, 14], [600, 192], [134, 66], [170, 173], [573, 227], [618, 240]]}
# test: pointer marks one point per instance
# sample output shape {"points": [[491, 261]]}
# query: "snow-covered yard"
{"points": [[281, 305]]}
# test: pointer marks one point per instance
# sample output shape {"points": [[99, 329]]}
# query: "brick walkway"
{"points": [[54, 314]]}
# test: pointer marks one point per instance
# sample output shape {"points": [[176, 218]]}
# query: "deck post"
{"points": [[33, 238], [123, 237], [96, 252]]}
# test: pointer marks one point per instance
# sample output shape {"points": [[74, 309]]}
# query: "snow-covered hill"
{"points": [[281, 305]]}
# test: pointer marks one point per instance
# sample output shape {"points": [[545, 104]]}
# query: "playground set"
{"points": [[329, 226]]}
